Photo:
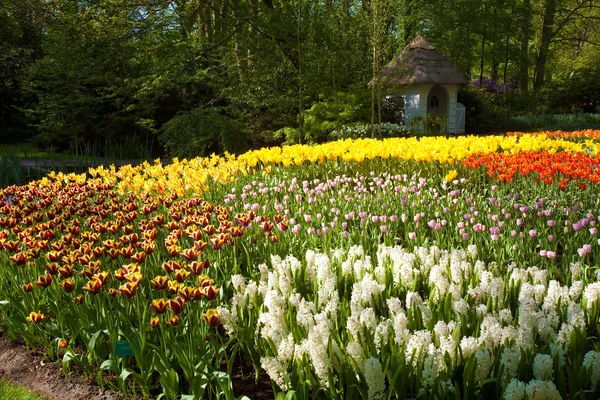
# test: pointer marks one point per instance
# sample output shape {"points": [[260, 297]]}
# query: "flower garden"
{"points": [[401, 268]]}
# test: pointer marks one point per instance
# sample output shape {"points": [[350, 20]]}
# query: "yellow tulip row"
{"points": [[188, 176]]}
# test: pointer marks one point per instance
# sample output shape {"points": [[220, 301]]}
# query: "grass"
{"points": [[11, 391]]}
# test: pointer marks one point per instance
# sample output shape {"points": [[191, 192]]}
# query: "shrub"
{"points": [[333, 113], [385, 130], [481, 112], [200, 132]]}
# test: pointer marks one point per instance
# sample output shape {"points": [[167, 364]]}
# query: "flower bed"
{"points": [[400, 268]]}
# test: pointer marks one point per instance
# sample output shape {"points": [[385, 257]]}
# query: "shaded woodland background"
{"points": [[201, 76]]}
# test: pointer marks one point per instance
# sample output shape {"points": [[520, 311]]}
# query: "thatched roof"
{"points": [[419, 62]]}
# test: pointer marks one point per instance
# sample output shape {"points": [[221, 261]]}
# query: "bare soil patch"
{"points": [[22, 367]]}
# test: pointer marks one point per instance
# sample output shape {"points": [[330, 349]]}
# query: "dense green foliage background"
{"points": [[81, 74]]}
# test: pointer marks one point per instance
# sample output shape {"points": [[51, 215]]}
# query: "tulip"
{"points": [[204, 281], [211, 317], [190, 254], [176, 305], [27, 287], [129, 289], [159, 306], [155, 322], [93, 286], [187, 293], [20, 258], [211, 292], [44, 281], [36, 317], [67, 285]]}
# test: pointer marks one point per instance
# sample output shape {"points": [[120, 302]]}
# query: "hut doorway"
{"points": [[437, 101]]}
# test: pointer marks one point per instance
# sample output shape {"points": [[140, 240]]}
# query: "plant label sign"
{"points": [[123, 348]]}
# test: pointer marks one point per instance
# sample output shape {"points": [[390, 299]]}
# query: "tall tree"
{"points": [[546, 38], [524, 62]]}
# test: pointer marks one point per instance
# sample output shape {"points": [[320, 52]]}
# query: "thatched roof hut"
{"points": [[428, 84], [420, 62]]}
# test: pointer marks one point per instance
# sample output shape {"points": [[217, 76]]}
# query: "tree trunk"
{"points": [[547, 32], [409, 21], [373, 91], [506, 54], [524, 67], [494, 40], [482, 54]]}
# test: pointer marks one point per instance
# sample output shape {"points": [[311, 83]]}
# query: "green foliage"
{"points": [[201, 132], [550, 122], [480, 110], [77, 74], [385, 130], [332, 113]]}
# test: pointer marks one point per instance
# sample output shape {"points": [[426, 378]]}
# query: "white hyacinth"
{"points": [[276, 371], [592, 294], [375, 379], [543, 367], [542, 390], [468, 346], [484, 363], [510, 358], [515, 390], [355, 352], [591, 361]]}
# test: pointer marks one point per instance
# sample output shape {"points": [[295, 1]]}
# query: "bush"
{"points": [[332, 113], [551, 122], [201, 132], [481, 110], [385, 130]]}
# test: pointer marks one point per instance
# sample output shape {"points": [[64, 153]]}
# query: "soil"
{"points": [[20, 366], [23, 367], [243, 382]]}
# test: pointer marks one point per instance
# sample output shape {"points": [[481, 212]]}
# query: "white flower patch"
{"points": [[494, 314]]}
